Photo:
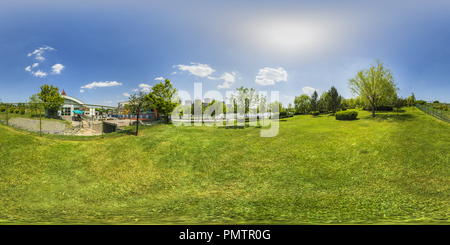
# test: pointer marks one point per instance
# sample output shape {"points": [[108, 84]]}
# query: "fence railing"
{"points": [[70, 118], [441, 114]]}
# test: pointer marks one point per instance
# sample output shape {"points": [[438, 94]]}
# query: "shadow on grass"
{"points": [[392, 116], [349, 119]]}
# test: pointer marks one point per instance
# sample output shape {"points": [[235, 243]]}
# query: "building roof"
{"points": [[66, 97]]}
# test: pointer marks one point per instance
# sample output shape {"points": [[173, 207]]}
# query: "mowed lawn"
{"points": [[386, 169]]}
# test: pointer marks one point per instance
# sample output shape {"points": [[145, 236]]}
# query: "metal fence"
{"points": [[440, 111], [73, 118]]}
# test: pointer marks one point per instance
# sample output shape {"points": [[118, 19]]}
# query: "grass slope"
{"points": [[316, 170]]}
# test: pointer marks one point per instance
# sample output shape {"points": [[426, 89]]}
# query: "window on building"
{"points": [[65, 111]]}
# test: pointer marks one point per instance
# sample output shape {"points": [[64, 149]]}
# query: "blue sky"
{"points": [[100, 51]]}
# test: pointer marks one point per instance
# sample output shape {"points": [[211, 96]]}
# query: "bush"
{"points": [[22, 110], [2, 109], [346, 115], [11, 109], [436, 101], [283, 114], [16, 111], [314, 113]]}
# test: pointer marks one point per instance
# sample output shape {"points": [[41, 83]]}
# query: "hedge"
{"points": [[314, 113], [346, 115]]}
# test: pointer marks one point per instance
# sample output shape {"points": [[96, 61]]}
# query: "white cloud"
{"points": [[28, 68], [135, 90], [159, 78], [57, 69], [173, 73], [308, 90], [269, 76], [126, 94], [81, 90], [228, 79], [101, 84], [145, 87], [35, 65], [40, 73], [39, 52], [197, 69]]}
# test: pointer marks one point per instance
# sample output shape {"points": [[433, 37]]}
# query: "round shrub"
{"points": [[283, 114], [11, 109], [314, 113], [346, 115], [16, 111], [22, 110], [2, 109]]}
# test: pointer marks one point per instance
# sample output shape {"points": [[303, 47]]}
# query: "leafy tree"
{"points": [[197, 110], [374, 84], [301, 103], [352, 102], [164, 98], [34, 103], [398, 103], [245, 97], [262, 107], [411, 100], [334, 99], [51, 97], [22, 110], [137, 103], [11, 109], [313, 102]]}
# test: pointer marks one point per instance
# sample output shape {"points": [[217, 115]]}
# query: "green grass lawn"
{"points": [[387, 169]]}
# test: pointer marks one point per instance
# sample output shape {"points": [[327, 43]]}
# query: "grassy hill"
{"points": [[316, 170]]}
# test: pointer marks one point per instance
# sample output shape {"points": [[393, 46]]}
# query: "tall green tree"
{"points": [[411, 101], [334, 99], [33, 103], [138, 102], [245, 97], [164, 98], [313, 102], [397, 103], [52, 98], [374, 84], [301, 103]]}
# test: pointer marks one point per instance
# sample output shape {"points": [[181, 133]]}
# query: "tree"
{"points": [[334, 101], [374, 84], [22, 110], [136, 104], [164, 98], [51, 97], [301, 103], [397, 103], [34, 103], [262, 108], [313, 102], [246, 98], [411, 100]]}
